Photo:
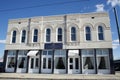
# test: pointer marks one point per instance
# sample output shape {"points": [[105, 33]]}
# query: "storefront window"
{"points": [[11, 62], [60, 62], [88, 62], [60, 59], [22, 62], [102, 59], [103, 63]]}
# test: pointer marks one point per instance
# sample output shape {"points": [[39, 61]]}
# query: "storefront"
{"points": [[11, 61], [59, 61]]}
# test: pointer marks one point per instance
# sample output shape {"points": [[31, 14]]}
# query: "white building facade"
{"points": [[60, 44]]}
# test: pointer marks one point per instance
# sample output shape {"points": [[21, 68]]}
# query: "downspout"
{"points": [[65, 30], [28, 33]]}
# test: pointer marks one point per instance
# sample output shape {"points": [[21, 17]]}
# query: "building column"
{"points": [[27, 67], [96, 70], [16, 57], [5, 59], [67, 61], [40, 53], [80, 61], [112, 69], [53, 62]]}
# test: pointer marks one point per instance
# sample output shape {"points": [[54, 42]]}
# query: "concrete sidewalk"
{"points": [[58, 76]]}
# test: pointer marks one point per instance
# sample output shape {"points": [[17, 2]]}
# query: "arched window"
{"points": [[88, 33], [35, 35], [14, 36], [100, 33], [73, 34], [48, 35], [23, 37], [59, 34]]}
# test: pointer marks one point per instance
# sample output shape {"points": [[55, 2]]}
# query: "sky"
{"points": [[13, 9]]}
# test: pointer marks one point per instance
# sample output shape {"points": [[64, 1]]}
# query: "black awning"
{"points": [[53, 46]]}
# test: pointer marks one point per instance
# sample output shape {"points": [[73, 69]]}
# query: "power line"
{"points": [[42, 5]]}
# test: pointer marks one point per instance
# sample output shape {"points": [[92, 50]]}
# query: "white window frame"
{"points": [[33, 35], [75, 33], [57, 34], [12, 37], [85, 33], [103, 33], [21, 37], [50, 35]]}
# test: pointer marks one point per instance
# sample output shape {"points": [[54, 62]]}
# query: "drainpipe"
{"points": [[65, 30], [28, 34]]}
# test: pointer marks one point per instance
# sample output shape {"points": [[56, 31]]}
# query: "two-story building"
{"points": [[70, 43]]}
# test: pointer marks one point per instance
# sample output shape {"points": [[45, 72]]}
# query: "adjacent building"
{"points": [[60, 44]]}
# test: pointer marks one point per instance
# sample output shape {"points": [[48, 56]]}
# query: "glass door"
{"points": [[46, 62], [34, 65], [73, 65]]}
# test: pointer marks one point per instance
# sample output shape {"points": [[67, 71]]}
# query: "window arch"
{"points": [[23, 37], [59, 34], [88, 33], [35, 35], [100, 33], [73, 34], [48, 35], [14, 36]]}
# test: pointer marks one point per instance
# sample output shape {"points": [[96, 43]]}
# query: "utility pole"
{"points": [[117, 23]]}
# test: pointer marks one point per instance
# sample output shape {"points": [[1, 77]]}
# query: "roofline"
{"points": [[61, 15]]}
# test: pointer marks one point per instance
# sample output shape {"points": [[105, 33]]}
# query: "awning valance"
{"points": [[73, 52], [32, 53]]}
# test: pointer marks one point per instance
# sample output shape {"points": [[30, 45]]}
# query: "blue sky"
{"points": [[10, 9]]}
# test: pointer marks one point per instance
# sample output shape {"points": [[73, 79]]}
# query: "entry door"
{"points": [[73, 65], [46, 64], [34, 65], [46, 61]]}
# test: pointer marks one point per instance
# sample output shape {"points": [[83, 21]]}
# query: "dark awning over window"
{"points": [[53, 46]]}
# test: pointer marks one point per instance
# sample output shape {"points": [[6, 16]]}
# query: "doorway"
{"points": [[73, 65], [46, 61]]}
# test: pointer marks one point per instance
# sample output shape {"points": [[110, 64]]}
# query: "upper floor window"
{"points": [[48, 35], [23, 37], [59, 34], [100, 33], [88, 33], [14, 36], [73, 34], [35, 35]]}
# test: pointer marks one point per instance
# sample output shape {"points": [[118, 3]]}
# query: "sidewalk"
{"points": [[58, 76]]}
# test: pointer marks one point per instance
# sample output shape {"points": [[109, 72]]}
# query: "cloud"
{"points": [[115, 43], [2, 41], [100, 8], [115, 46], [113, 3]]}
